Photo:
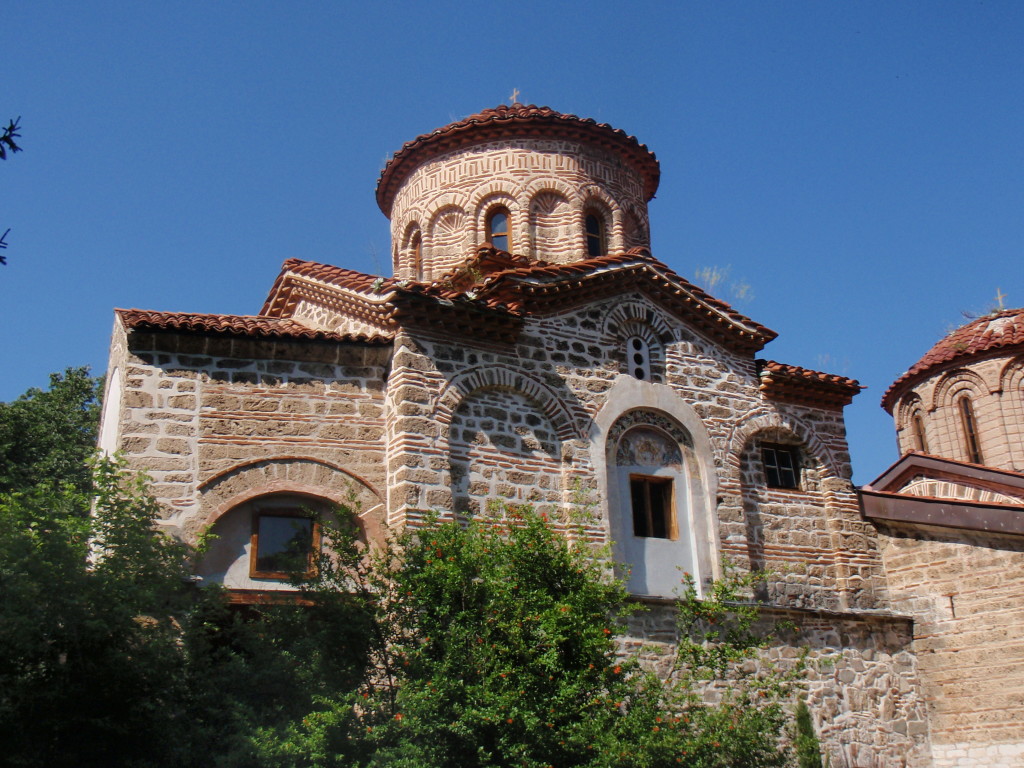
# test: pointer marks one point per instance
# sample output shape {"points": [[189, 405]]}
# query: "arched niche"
{"points": [[652, 457], [289, 486], [242, 542]]}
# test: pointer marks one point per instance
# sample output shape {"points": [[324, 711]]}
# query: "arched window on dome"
{"points": [[416, 255], [594, 230], [498, 229], [917, 432], [969, 427]]}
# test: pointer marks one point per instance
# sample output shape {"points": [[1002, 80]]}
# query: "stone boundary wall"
{"points": [[966, 593], [861, 683]]}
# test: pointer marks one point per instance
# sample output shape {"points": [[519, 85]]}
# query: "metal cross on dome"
{"points": [[515, 95], [999, 297]]}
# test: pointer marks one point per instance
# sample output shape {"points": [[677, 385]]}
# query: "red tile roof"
{"points": [[542, 287], [997, 331], [234, 325], [283, 295], [346, 278], [497, 289], [792, 383], [520, 120]]}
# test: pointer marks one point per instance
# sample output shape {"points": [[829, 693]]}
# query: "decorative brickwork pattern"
{"points": [[546, 185]]}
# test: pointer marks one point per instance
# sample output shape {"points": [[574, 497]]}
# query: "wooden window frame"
{"points": [[491, 234], [314, 547], [773, 451], [600, 237], [644, 518], [969, 425]]}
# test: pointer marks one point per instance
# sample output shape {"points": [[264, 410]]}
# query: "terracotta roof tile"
{"points": [[803, 385], [234, 325], [282, 297], [516, 119], [998, 330], [638, 259], [493, 281], [345, 278]]}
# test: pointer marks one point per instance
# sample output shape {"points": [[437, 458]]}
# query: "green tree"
{"points": [[46, 436], [808, 748], [88, 640], [497, 643]]}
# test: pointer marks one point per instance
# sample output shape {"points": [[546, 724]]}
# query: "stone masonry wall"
{"points": [[546, 185], [861, 680], [217, 420], [966, 592], [822, 551]]}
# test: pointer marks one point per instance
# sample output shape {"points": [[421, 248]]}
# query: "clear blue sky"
{"points": [[859, 165]]}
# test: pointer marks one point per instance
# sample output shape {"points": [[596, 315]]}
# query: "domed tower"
{"points": [[528, 180], [964, 400]]}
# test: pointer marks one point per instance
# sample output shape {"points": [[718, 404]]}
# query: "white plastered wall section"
{"points": [[660, 559], [111, 418]]}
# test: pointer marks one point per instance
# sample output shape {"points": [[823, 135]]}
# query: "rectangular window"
{"points": [[781, 466], [653, 515], [283, 546]]}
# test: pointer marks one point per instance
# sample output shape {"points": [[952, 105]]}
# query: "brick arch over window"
{"points": [[905, 410], [654, 495], [501, 377], [1011, 378], [597, 199], [626, 312], [955, 383], [498, 194], [306, 476], [911, 424], [764, 421], [630, 404], [1012, 409]]}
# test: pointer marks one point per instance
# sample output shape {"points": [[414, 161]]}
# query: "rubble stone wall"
{"points": [[861, 680]]}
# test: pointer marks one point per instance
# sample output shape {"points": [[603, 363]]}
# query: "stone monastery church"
{"points": [[530, 347]]}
